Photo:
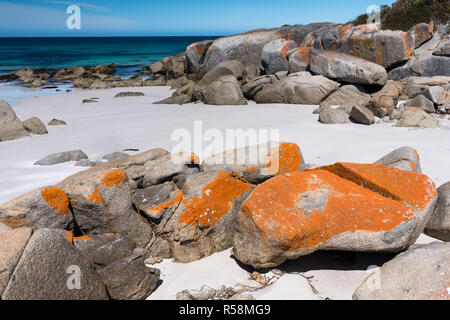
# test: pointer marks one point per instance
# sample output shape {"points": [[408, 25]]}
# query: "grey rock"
{"points": [[225, 91], [86, 163], [363, 115], [416, 117], [297, 88], [274, 55], [160, 249], [439, 225], [129, 94], [115, 156], [35, 126], [10, 126], [12, 244], [298, 59], [421, 102], [56, 122], [205, 293], [333, 116], [347, 68], [129, 278], [443, 49], [48, 268], [251, 88], [347, 95], [405, 158], [226, 68], [89, 101], [61, 157], [105, 249], [195, 54], [383, 102], [179, 99], [421, 273]]}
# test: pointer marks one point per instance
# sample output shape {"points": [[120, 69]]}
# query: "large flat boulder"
{"points": [[421, 273], [10, 126], [51, 268], [297, 88], [439, 225], [41, 208], [350, 207], [347, 68], [257, 163]]}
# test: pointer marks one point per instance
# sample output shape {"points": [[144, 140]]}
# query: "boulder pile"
{"points": [[263, 201]]}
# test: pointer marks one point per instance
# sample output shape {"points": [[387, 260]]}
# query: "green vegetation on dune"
{"points": [[404, 14]]}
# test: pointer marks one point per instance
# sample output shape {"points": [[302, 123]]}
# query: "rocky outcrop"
{"points": [[10, 126], [297, 88], [421, 273], [224, 91], [439, 225], [351, 207], [346, 68]]}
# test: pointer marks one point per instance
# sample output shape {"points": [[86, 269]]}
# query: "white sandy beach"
{"points": [[115, 124]]}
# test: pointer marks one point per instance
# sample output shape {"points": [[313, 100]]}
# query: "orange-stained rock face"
{"points": [[156, 211], [306, 208], [96, 197], [215, 201], [288, 156], [345, 206], [408, 187], [57, 200], [115, 178]]}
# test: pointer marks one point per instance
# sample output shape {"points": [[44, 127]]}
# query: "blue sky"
{"points": [[170, 17]]}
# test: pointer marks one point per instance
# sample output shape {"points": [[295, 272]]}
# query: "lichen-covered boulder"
{"points": [[421, 273], [384, 47], [10, 126], [257, 163], [297, 88], [51, 268], [298, 59], [101, 201], [202, 223], [439, 225], [41, 208], [350, 207], [12, 244], [274, 55], [347, 68], [405, 158]]}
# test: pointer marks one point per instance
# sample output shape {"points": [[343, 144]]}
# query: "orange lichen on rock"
{"points": [[115, 178], [57, 200], [69, 236], [157, 210], [304, 209], [215, 201], [285, 158], [82, 238], [410, 187], [303, 54], [96, 197]]}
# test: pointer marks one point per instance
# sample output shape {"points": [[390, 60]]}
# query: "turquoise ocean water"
{"points": [[130, 54]]}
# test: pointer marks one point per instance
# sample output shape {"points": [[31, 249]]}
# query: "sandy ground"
{"points": [[115, 124]]}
